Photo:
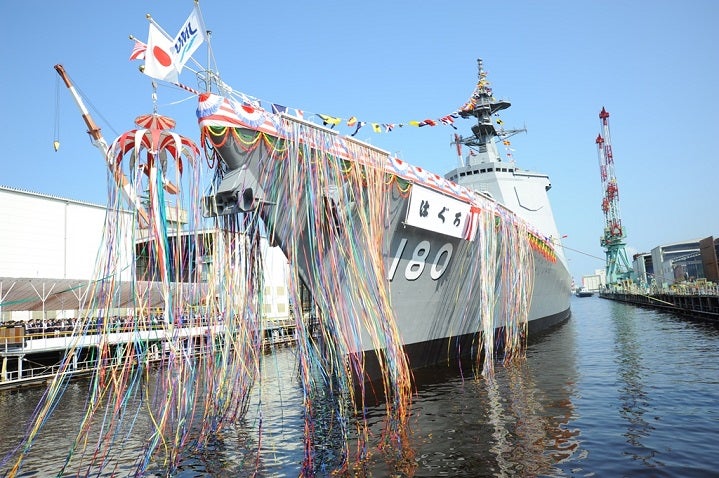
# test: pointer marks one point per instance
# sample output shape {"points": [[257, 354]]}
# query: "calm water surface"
{"points": [[615, 391]]}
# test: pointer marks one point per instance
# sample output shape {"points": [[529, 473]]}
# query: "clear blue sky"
{"points": [[654, 65]]}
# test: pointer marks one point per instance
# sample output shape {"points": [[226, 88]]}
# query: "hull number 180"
{"points": [[420, 258]]}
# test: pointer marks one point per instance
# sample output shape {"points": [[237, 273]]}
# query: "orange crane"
{"points": [[99, 142]]}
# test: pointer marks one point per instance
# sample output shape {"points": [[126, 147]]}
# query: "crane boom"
{"points": [[99, 141], [612, 240]]}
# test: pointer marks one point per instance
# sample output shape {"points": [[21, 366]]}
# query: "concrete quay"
{"points": [[689, 304]]}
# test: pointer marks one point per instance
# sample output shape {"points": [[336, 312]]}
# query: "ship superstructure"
{"points": [[482, 169]]}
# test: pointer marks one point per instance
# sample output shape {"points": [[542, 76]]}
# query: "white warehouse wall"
{"points": [[52, 237], [275, 296]]}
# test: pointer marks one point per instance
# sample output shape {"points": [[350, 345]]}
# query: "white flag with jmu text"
{"points": [[190, 37], [165, 57]]}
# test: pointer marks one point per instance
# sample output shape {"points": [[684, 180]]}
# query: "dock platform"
{"points": [[33, 359], [696, 304]]}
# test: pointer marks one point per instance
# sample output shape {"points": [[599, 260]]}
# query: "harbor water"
{"points": [[615, 391]]}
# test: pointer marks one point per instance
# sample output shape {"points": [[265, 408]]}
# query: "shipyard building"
{"points": [[51, 252], [670, 264]]}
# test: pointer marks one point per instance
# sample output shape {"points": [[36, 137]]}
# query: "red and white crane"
{"points": [[612, 240]]}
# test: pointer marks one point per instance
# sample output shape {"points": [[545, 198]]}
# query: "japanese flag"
{"points": [[159, 60]]}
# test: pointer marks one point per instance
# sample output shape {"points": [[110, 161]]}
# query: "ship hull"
{"points": [[436, 278], [550, 308], [437, 315]]}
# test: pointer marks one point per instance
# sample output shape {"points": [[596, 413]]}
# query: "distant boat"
{"points": [[582, 292]]}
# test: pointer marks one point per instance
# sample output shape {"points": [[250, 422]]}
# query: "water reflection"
{"points": [[647, 393], [615, 391], [514, 424], [631, 372]]}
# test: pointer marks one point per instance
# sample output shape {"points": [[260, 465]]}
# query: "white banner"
{"points": [[190, 37], [436, 212]]}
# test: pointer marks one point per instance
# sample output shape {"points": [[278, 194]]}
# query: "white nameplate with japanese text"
{"points": [[436, 212]]}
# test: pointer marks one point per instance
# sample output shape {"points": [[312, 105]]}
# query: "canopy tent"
{"points": [[49, 294]]}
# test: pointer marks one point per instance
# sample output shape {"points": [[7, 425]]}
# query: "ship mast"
{"points": [[617, 267], [482, 105]]}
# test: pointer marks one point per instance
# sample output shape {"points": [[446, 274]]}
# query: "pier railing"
{"points": [[16, 338], [687, 299], [41, 373]]}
